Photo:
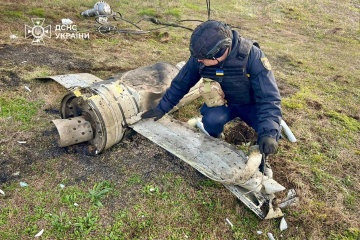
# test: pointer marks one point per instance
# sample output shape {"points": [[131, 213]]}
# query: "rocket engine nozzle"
{"points": [[73, 130], [100, 8]]}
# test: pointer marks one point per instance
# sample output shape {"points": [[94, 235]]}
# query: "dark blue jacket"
{"points": [[264, 91]]}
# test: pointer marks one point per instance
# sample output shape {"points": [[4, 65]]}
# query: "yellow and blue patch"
{"points": [[219, 72]]}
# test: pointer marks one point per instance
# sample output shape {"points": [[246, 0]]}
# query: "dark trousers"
{"points": [[214, 118]]}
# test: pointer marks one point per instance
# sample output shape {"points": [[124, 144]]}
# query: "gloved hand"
{"points": [[267, 145], [154, 112]]}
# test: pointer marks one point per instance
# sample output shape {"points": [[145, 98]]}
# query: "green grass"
{"points": [[35, 72], [151, 12], [348, 122], [18, 110], [63, 219], [99, 191], [37, 12], [71, 196], [174, 12], [13, 14], [313, 48], [135, 179], [349, 234]]}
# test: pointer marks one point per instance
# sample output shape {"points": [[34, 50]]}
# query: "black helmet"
{"points": [[210, 39]]}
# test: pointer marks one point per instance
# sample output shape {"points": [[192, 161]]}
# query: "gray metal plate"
{"points": [[212, 157], [70, 81]]}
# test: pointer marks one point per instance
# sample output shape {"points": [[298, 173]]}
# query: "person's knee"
{"points": [[214, 123]]}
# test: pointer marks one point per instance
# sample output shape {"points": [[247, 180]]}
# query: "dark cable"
{"points": [[117, 18], [157, 21], [208, 8], [104, 28]]}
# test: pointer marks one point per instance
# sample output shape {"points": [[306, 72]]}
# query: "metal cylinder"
{"points": [[73, 130], [109, 106]]}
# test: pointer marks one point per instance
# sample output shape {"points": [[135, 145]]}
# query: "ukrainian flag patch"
{"points": [[219, 72]]}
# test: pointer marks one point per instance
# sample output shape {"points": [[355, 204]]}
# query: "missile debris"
{"points": [[99, 112]]}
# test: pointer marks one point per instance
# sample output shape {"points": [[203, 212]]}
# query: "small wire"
{"points": [[157, 21], [122, 19], [118, 17], [208, 8]]}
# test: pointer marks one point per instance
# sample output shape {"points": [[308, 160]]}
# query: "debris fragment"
{"points": [[2, 192], [289, 134], [27, 88], [200, 125], [23, 184], [39, 233], [16, 173], [271, 237], [21, 142], [66, 21], [62, 185], [75, 204], [228, 221], [12, 37], [192, 121], [179, 65], [259, 232], [290, 199], [274, 212], [283, 224], [271, 186]]}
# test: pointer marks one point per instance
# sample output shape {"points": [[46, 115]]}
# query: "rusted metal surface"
{"points": [[73, 131], [109, 104]]}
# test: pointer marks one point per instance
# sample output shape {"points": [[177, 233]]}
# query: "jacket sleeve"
{"points": [[187, 77], [266, 92]]}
